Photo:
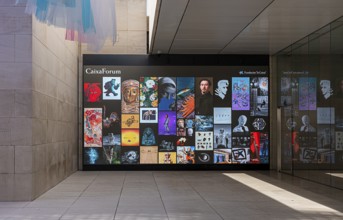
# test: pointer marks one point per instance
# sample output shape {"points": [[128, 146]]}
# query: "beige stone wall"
{"points": [[15, 104], [55, 100], [38, 107], [131, 29], [39, 96]]}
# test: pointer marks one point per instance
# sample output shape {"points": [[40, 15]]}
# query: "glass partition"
{"points": [[310, 93]]}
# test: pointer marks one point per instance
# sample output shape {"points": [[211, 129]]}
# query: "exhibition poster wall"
{"points": [[175, 115]]}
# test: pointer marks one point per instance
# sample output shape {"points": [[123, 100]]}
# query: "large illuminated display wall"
{"points": [[175, 115]]}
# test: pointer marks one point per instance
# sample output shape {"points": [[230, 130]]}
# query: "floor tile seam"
{"points": [[79, 196], [215, 211], [158, 189], [121, 191], [26, 206]]}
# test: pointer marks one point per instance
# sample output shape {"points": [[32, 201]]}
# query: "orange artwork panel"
{"points": [[130, 137]]}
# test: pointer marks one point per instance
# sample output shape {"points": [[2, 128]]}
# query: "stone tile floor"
{"points": [[180, 195]]}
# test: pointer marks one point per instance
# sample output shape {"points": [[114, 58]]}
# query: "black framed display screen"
{"points": [[168, 116]]}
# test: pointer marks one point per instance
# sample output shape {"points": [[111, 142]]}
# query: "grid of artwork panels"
{"points": [[176, 120]]}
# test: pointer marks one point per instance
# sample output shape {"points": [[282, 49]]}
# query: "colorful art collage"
{"points": [[312, 119], [176, 120]]}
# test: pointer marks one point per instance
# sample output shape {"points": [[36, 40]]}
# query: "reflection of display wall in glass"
{"points": [[137, 119], [307, 93], [315, 122]]}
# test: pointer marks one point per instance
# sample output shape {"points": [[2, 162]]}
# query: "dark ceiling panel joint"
{"points": [[246, 26], [154, 30], [178, 27]]}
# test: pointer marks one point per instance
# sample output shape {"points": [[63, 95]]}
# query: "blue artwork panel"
{"points": [[240, 93]]}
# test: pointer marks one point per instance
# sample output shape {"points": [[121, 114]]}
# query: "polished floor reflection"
{"points": [[181, 195]]}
